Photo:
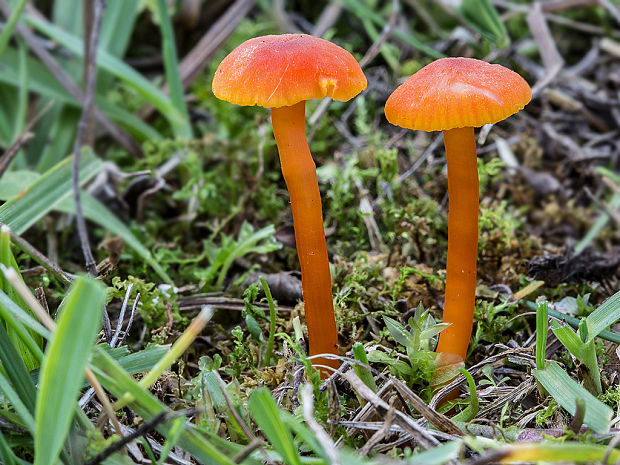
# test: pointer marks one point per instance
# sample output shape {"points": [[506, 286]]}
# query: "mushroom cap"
{"points": [[454, 93], [282, 70]]}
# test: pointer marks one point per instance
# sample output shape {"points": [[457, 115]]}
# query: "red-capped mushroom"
{"points": [[455, 95], [281, 72]]}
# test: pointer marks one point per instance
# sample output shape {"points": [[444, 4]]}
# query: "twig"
{"points": [[551, 57], [382, 432], [180, 346], [439, 421], [327, 18], [115, 131], [121, 316], [90, 74], [460, 379], [88, 17], [612, 9], [14, 148], [88, 395], [375, 48], [247, 451], [421, 159], [141, 431], [130, 322]]}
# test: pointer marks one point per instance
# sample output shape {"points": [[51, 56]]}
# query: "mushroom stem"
{"points": [[299, 173], [462, 243]]}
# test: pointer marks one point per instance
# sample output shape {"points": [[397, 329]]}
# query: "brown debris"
{"points": [[573, 269]]}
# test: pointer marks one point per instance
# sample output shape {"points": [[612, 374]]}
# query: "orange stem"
{"points": [[462, 243], [299, 173]]}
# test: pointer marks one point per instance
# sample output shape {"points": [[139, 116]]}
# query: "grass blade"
{"points": [[24, 414], [147, 90], [11, 186], [482, 16], [137, 362], [7, 456], [585, 353], [450, 451], [119, 383], [542, 327], [359, 353], [566, 391], [14, 316], [62, 370], [605, 315], [267, 415], [40, 197], [16, 371], [171, 66], [599, 224], [566, 452], [42, 82], [27, 345], [9, 26], [574, 322], [117, 27]]}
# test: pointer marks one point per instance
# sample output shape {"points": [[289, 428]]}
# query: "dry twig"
{"points": [[425, 439], [90, 74]]}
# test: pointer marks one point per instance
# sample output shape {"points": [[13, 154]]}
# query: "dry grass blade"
{"points": [[513, 397], [326, 442], [412, 427], [439, 421], [460, 379], [382, 432]]}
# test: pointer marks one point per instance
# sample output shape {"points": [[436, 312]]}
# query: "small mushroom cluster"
{"points": [[453, 95]]}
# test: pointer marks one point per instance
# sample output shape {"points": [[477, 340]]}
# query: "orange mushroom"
{"points": [[281, 72], [455, 95]]}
